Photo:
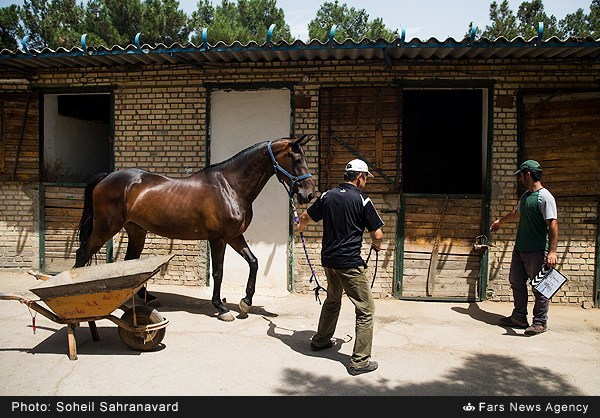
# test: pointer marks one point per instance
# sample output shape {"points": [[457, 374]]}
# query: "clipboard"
{"points": [[548, 281]]}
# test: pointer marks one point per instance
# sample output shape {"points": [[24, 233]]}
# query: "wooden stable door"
{"points": [[360, 122], [438, 258], [62, 207], [561, 133]]}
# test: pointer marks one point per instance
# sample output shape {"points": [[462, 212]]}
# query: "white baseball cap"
{"points": [[359, 166]]}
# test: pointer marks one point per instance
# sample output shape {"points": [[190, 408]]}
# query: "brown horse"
{"points": [[213, 204]]}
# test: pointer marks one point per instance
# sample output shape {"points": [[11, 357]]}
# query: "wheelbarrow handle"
{"points": [[7, 296], [35, 306], [39, 276]]}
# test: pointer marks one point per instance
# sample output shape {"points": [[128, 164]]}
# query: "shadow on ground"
{"points": [[485, 375]]}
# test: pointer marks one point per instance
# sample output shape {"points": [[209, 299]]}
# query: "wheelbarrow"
{"points": [[88, 294]]}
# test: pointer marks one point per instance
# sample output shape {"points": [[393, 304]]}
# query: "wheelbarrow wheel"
{"points": [[143, 340]]}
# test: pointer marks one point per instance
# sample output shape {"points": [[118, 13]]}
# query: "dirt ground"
{"points": [[423, 349]]}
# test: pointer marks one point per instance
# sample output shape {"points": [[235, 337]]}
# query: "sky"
{"points": [[422, 19]]}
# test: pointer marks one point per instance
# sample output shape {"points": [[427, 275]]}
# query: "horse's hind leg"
{"points": [[217, 256], [136, 237], [241, 246]]}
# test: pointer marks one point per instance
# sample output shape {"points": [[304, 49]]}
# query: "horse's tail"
{"points": [[86, 223]]}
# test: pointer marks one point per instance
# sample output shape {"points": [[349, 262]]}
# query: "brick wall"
{"points": [[160, 127], [160, 124], [19, 225]]}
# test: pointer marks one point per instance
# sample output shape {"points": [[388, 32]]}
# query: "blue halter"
{"points": [[293, 178]]}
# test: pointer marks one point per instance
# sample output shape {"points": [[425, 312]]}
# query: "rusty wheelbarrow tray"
{"points": [[88, 294]]}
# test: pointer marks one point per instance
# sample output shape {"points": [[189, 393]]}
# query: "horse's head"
{"points": [[290, 167]]}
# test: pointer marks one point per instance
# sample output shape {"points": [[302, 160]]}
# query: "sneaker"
{"points": [[536, 329], [315, 347], [354, 371], [509, 321]]}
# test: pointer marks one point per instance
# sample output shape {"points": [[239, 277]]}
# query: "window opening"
{"points": [[76, 137], [443, 142]]}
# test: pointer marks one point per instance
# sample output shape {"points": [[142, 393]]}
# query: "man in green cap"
{"points": [[535, 245]]}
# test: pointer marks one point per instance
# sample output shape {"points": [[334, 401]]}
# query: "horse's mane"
{"points": [[240, 155]]}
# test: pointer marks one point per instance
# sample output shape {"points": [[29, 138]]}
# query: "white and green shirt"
{"points": [[534, 208]]}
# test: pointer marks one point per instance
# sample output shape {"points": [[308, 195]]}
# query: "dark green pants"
{"points": [[356, 285]]}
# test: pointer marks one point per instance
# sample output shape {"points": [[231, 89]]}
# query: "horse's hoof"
{"points": [[244, 307], [227, 316]]}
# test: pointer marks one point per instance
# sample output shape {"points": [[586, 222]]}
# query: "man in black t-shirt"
{"points": [[346, 212]]}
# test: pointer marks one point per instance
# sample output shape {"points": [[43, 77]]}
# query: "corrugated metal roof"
{"points": [[586, 49]]}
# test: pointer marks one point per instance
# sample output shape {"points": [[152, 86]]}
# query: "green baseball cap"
{"points": [[529, 165]]}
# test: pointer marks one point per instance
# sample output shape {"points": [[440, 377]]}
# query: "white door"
{"points": [[239, 119]]}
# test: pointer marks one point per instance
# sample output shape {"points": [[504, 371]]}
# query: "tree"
{"points": [[259, 15], [110, 22], [351, 23], [504, 22], [117, 22], [377, 29], [10, 27], [532, 13], [226, 25], [60, 23], [593, 19], [163, 22], [53, 24], [248, 20], [201, 18], [575, 24]]}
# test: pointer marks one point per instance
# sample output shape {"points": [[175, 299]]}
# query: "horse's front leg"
{"points": [[240, 245], [217, 256]]}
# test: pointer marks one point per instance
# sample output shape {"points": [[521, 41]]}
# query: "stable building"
{"points": [[442, 124]]}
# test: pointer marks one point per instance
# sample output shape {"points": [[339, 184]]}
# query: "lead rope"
{"points": [[312, 269], [290, 191], [376, 263], [33, 315]]}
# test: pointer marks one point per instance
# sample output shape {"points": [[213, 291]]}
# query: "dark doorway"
{"points": [[443, 142], [76, 145], [76, 137]]}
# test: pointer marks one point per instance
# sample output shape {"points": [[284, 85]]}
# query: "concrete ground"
{"points": [[423, 348]]}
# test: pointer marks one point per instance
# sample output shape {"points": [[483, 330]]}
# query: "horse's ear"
{"points": [[303, 139]]}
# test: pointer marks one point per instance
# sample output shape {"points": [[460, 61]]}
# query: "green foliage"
{"points": [[163, 22], [351, 23], [530, 14], [60, 23], [593, 19], [10, 28], [504, 22], [112, 22], [53, 24], [202, 17], [575, 24], [258, 15], [226, 25], [377, 29], [248, 20]]}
